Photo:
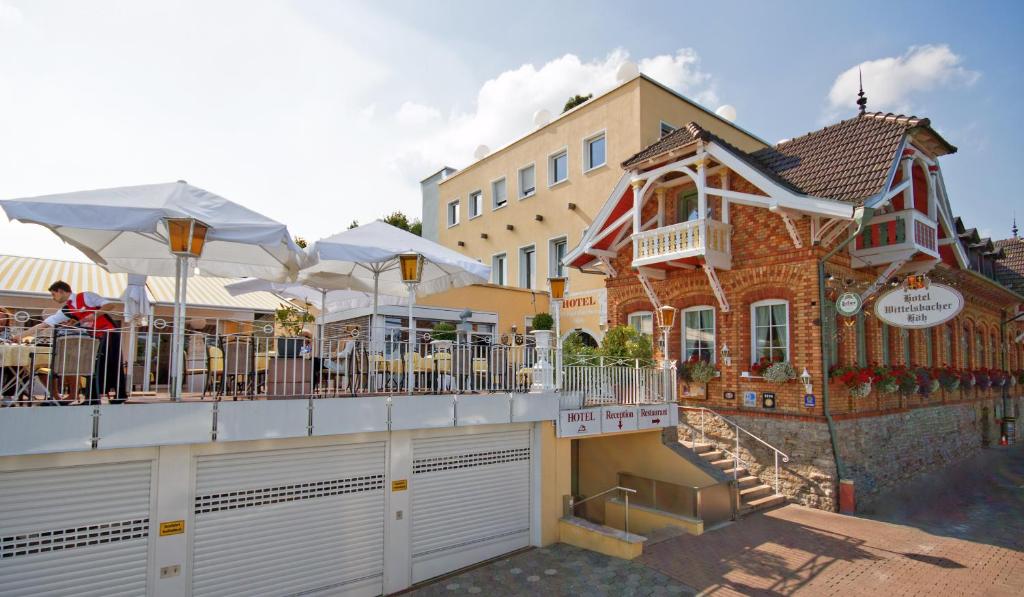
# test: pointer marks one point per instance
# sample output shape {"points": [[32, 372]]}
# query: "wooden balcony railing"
{"points": [[892, 236], [696, 238]]}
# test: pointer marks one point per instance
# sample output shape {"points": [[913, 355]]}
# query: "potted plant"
{"points": [[982, 379], [858, 380], [442, 335], [949, 378], [291, 320], [926, 383], [779, 372], [887, 382]]}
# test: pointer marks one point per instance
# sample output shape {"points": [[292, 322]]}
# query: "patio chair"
{"points": [[214, 368], [74, 357], [238, 367]]}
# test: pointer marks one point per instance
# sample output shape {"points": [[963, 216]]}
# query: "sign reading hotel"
{"points": [[579, 422], [921, 307]]}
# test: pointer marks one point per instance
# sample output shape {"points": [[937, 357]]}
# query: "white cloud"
{"points": [[505, 105], [891, 84], [413, 114]]}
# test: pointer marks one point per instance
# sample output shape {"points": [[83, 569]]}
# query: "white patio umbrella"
{"points": [[136, 310], [366, 259], [126, 229]]}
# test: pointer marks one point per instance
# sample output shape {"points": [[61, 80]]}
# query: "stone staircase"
{"points": [[754, 493]]}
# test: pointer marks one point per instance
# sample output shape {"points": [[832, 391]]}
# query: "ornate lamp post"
{"points": [[557, 286], [412, 272], [186, 238]]}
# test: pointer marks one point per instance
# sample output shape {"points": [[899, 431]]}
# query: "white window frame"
{"points": [[519, 181], [753, 327], [661, 129], [494, 195], [587, 167], [629, 320], [470, 203], [457, 213], [551, 170], [522, 271], [504, 268], [551, 254], [714, 331]]}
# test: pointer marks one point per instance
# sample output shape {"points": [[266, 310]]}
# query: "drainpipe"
{"points": [[861, 215]]}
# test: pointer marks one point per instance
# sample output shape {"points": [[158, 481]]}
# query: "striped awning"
{"points": [[32, 276]]}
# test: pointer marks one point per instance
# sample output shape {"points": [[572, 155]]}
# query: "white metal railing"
{"points": [[685, 239], [738, 432], [606, 381]]}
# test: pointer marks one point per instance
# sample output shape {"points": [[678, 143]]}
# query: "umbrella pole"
{"points": [[147, 366], [172, 358], [412, 339], [178, 337], [373, 325], [323, 330]]}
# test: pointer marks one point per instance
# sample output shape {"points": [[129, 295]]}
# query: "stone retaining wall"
{"points": [[880, 451]]}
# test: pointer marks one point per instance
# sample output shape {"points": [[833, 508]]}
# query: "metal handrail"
{"points": [[736, 455], [573, 503]]}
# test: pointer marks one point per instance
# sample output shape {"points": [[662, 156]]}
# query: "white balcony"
{"points": [[894, 236], [692, 241]]}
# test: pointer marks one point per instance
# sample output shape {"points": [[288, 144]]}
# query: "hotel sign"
{"points": [[616, 419], [917, 308]]}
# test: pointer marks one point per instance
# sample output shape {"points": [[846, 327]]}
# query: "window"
{"points": [[642, 321], [476, 203], [979, 349], [594, 152], [556, 253], [965, 349], [686, 206], [527, 181], [558, 167], [948, 346], [862, 341], [905, 335], [929, 348], [992, 350], [500, 193], [666, 128], [528, 267], [699, 334], [499, 269], [770, 330], [453, 213]]}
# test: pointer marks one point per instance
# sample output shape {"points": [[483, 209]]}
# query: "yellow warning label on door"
{"points": [[172, 527], [400, 485]]}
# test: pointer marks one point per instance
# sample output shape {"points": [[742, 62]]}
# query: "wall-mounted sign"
{"points": [[655, 416], [750, 399], [848, 304], [729, 395], [576, 423], [172, 527], [917, 308], [615, 419], [809, 400], [768, 399], [399, 485]]}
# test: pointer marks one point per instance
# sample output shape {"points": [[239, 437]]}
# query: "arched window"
{"points": [[948, 345], [698, 327], [979, 348], [769, 330]]}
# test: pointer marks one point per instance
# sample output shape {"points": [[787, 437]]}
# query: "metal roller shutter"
{"points": [[81, 530], [284, 522], [470, 500]]}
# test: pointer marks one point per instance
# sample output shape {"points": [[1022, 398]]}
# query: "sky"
{"points": [[317, 113]]}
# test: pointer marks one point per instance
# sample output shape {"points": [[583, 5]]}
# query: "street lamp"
{"points": [[557, 286], [668, 319], [186, 238], [411, 265]]}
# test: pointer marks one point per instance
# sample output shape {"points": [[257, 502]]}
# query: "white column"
{"points": [[725, 201], [908, 176], [412, 340], [397, 511], [638, 185], [173, 475]]}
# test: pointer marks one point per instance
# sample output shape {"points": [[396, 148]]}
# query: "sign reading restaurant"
{"points": [[922, 307]]}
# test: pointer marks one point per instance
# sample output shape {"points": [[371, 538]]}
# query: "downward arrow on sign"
{"points": [[620, 423]]}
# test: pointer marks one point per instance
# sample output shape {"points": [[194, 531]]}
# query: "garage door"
{"points": [[81, 530], [285, 522], [470, 500]]}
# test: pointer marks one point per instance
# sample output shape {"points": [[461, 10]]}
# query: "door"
{"points": [[79, 530], [470, 499], [283, 522]]}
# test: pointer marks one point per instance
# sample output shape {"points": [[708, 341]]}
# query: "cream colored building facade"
{"points": [[521, 207]]}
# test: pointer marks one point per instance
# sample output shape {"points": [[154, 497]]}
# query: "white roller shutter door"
{"points": [[470, 500], [284, 522], [81, 530]]}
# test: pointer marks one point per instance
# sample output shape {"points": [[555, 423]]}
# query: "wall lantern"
{"points": [[557, 288], [805, 377], [726, 355], [186, 236]]}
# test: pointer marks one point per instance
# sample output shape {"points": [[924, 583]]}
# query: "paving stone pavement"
{"points": [[557, 570]]}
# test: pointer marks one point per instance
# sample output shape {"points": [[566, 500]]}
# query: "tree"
{"points": [[301, 242], [626, 342], [576, 100], [354, 224], [400, 220]]}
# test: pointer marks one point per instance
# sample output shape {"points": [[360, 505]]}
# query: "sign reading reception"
{"points": [[919, 307]]}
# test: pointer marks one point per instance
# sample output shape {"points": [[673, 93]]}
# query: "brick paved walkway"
{"points": [[798, 550]]}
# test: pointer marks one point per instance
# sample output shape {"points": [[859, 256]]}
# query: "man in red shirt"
{"points": [[88, 311]]}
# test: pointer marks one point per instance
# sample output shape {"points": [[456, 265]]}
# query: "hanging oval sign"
{"points": [[917, 308]]}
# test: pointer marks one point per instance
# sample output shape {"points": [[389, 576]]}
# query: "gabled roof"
{"points": [[1009, 271], [849, 161]]}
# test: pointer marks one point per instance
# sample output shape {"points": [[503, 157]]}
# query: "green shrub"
{"points": [[443, 331], [627, 343], [543, 321]]}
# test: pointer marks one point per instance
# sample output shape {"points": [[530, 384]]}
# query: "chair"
{"points": [[74, 356], [238, 366], [214, 368]]}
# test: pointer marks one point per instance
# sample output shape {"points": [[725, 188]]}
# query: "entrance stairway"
{"points": [[729, 451]]}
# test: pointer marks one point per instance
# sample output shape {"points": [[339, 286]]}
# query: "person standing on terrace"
{"points": [[88, 311]]}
